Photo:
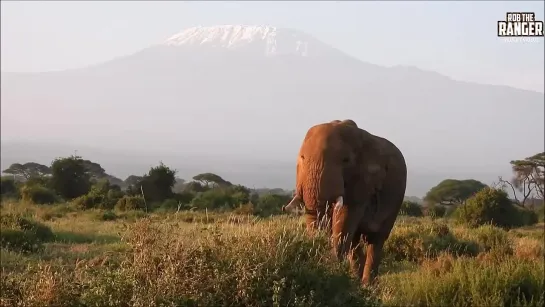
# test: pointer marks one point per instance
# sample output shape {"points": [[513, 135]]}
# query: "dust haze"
{"points": [[237, 98]]}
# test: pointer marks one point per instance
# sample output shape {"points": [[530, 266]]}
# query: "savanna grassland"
{"points": [[57, 255]]}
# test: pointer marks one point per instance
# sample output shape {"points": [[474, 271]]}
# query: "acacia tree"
{"points": [[28, 170], [453, 191], [528, 178], [210, 180]]}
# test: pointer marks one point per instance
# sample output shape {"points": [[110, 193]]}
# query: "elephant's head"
{"points": [[333, 158]]}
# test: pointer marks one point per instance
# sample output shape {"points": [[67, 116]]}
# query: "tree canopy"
{"points": [[132, 180], [157, 183], [453, 191], [28, 170], [70, 177], [528, 179], [530, 173], [211, 179]]}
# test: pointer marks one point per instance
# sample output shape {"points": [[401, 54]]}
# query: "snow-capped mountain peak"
{"points": [[263, 39]]}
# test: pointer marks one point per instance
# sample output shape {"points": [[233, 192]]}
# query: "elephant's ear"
{"points": [[373, 161], [370, 160], [355, 137]]}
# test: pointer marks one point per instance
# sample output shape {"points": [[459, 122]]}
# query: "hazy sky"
{"points": [[454, 38]]}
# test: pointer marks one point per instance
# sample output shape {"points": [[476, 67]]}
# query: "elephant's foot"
{"points": [[372, 262], [369, 281]]}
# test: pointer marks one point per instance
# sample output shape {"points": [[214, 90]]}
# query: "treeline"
{"points": [[476, 203], [87, 185]]}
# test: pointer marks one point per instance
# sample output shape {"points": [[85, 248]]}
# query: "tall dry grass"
{"points": [[197, 259]]}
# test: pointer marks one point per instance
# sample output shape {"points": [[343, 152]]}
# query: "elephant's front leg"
{"points": [[356, 256], [374, 256]]}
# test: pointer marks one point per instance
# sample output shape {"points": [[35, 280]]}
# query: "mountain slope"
{"points": [[199, 97], [267, 40]]}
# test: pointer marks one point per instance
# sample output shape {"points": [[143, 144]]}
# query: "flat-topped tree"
{"points": [[28, 170], [453, 191], [211, 180], [528, 178]]}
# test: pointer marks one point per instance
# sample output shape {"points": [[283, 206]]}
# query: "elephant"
{"points": [[351, 183]]}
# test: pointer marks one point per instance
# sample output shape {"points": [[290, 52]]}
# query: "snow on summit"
{"points": [[262, 39]]}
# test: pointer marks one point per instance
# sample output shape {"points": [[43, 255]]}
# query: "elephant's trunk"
{"points": [[321, 187]]}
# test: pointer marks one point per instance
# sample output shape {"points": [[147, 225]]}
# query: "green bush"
{"points": [[23, 234], [108, 215], [8, 188], [114, 195], [410, 208], [450, 211], [38, 194], [213, 199], [493, 238], [527, 216], [490, 206], [541, 213], [168, 205], [130, 203], [270, 204], [101, 196], [435, 211], [416, 242], [89, 201]]}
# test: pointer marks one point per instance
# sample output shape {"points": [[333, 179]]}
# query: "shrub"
{"points": [[435, 211], [410, 208], [270, 204], [38, 194], [213, 199], [108, 215], [245, 209], [88, 201], [8, 188], [130, 203], [450, 211], [527, 216], [168, 205], [493, 238], [102, 195], [416, 242], [38, 180], [541, 213], [23, 234], [492, 206]]}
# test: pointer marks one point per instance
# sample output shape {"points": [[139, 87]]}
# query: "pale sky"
{"points": [[457, 39]]}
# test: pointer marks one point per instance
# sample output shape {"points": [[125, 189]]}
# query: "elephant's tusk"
{"points": [[339, 202], [293, 203]]}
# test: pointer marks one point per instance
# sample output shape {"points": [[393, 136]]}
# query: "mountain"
{"points": [[240, 99], [267, 40]]}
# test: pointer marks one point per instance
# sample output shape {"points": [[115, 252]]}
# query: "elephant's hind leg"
{"points": [[375, 244]]}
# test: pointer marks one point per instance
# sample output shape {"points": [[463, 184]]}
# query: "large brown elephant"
{"points": [[352, 183]]}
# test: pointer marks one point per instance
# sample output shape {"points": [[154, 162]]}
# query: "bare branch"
{"points": [[505, 183]]}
